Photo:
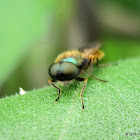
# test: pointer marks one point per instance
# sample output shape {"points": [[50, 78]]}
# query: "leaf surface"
{"points": [[111, 109]]}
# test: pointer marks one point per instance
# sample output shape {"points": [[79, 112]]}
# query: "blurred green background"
{"points": [[33, 33]]}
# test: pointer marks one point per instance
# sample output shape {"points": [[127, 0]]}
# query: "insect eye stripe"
{"points": [[70, 60]]}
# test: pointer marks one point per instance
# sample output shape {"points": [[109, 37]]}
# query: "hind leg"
{"points": [[104, 65], [92, 59]]}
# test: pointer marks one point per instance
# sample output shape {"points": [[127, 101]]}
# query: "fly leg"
{"points": [[81, 93], [99, 79], [104, 65], [91, 67], [59, 94]]}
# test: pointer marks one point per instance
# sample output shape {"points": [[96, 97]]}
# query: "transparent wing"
{"points": [[90, 49]]}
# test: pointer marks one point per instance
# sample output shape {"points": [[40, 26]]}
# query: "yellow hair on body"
{"points": [[75, 54], [78, 56]]}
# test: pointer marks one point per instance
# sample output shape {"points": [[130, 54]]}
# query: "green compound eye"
{"points": [[69, 70], [53, 70], [64, 71]]}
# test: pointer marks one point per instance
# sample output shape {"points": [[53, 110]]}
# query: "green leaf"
{"points": [[111, 109]]}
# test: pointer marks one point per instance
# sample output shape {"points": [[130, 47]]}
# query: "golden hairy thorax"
{"points": [[77, 55], [89, 53]]}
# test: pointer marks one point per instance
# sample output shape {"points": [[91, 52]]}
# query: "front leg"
{"points": [[59, 94], [81, 93]]}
